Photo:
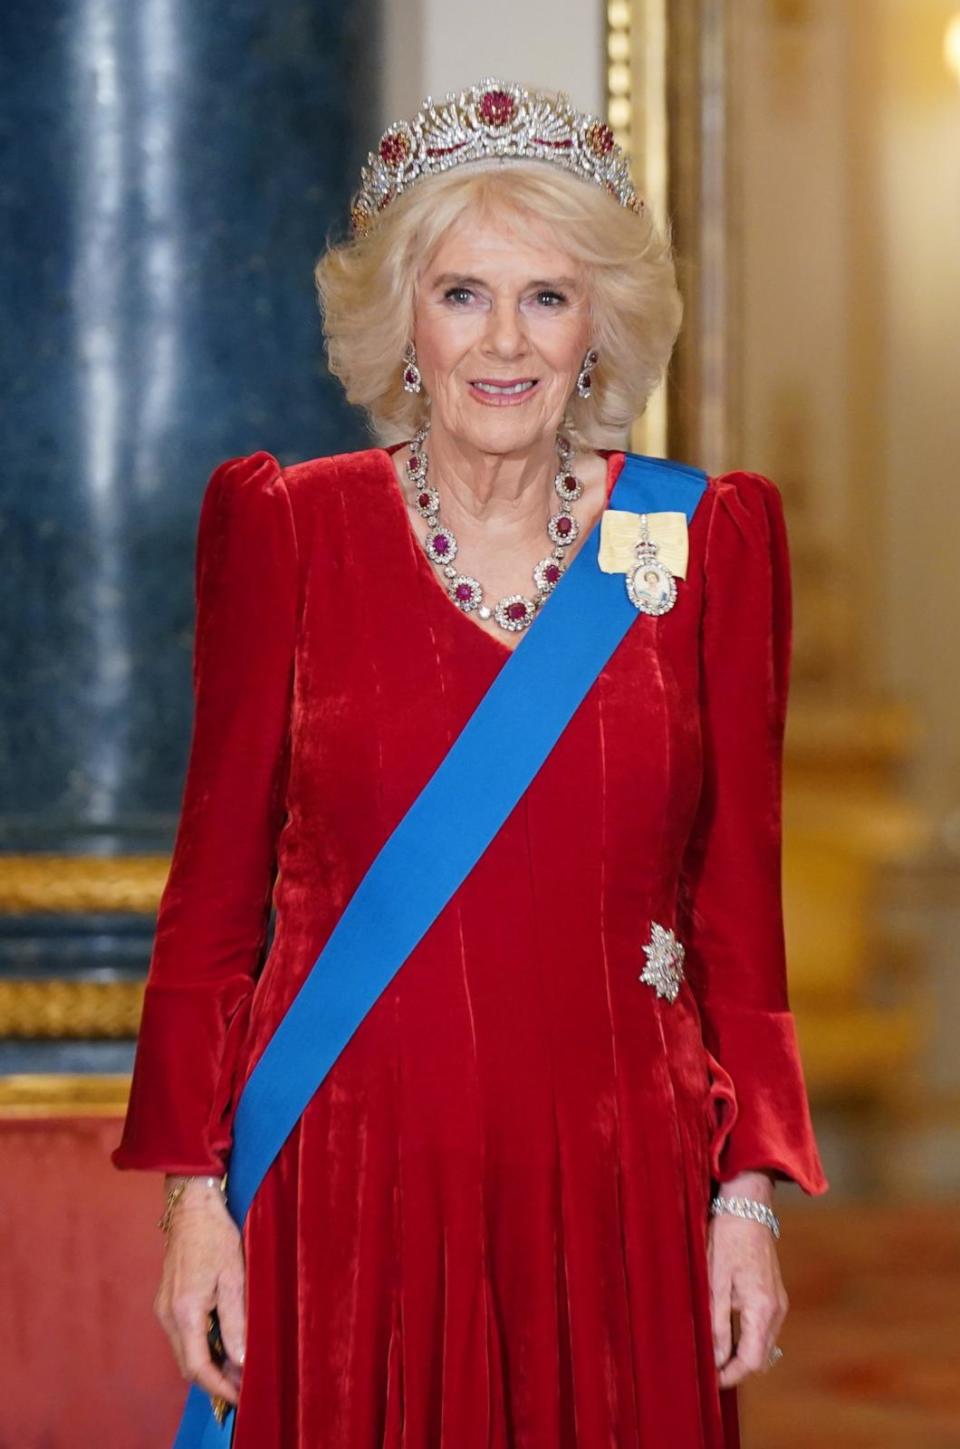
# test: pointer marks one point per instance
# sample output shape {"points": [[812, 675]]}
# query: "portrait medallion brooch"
{"points": [[664, 968], [650, 550], [650, 584]]}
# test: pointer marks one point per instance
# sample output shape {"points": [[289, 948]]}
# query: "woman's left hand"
{"points": [[744, 1276]]}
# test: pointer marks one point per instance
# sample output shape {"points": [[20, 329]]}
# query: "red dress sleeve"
{"points": [[731, 911], [215, 908]]}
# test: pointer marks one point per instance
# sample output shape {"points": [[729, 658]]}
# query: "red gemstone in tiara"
{"points": [[497, 108], [394, 148], [599, 138]]}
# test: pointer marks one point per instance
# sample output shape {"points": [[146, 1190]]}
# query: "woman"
{"points": [[492, 1222]]}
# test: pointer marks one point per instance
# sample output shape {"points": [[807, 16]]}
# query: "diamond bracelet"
{"points": [[747, 1207]]}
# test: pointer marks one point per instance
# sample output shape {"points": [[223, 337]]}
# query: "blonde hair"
{"points": [[366, 288]]}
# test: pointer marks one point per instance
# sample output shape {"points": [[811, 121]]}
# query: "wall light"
{"points": [[951, 46]]}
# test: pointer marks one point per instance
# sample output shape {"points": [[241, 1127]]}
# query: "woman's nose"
{"points": [[505, 331]]}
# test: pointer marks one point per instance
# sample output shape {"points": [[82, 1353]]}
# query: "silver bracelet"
{"points": [[747, 1207]]}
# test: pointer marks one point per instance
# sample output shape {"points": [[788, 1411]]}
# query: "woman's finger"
{"points": [[230, 1311], [200, 1366], [757, 1319], [169, 1327], [720, 1313]]}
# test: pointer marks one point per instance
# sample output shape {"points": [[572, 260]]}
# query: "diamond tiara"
{"points": [[493, 118]]}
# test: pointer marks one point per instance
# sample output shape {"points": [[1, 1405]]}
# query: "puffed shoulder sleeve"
{"points": [[215, 907], [731, 910]]}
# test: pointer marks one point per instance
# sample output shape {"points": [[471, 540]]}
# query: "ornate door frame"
{"points": [[669, 106]]}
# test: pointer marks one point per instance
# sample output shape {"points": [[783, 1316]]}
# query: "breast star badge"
{"points": [[664, 968]]}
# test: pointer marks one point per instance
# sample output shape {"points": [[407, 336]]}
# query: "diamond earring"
{"points": [[585, 381], [412, 380]]}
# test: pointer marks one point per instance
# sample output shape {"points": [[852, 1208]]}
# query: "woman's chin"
{"points": [[505, 428]]}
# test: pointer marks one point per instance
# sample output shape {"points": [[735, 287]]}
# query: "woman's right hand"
{"points": [[203, 1269]]}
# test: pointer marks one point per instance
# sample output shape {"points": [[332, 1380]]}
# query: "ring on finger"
{"points": [[775, 1355]]}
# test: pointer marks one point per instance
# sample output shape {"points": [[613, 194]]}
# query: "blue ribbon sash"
{"points": [[530, 701]]}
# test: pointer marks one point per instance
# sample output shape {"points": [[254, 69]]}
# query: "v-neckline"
{"points": [[424, 563]]}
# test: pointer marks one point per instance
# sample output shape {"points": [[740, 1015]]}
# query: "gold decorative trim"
{"points": [[70, 1009], [620, 76], [637, 114], [29, 1094], [60, 883], [670, 108]]}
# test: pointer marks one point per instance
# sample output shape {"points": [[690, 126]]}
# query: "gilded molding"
{"points": [[30, 1094], [672, 110], [637, 114], [620, 75], [60, 883], [70, 1009]]}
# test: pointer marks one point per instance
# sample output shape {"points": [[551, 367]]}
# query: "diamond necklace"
{"points": [[514, 611]]}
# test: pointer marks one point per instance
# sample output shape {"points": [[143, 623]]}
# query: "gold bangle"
{"points": [[176, 1192]]}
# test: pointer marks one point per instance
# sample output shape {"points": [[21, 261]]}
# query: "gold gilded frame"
{"points": [[669, 107], [637, 113]]}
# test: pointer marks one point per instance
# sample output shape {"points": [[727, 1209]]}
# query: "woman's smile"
{"points": [[493, 393]]}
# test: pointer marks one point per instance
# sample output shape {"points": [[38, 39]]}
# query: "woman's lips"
{"points": [[496, 393]]}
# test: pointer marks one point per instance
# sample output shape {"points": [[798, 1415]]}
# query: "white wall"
{"points": [[435, 46]]}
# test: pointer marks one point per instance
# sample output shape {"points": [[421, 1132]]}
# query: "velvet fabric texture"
{"points": [[489, 1227]]}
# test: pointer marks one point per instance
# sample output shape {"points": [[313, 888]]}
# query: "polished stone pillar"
{"points": [[172, 169]]}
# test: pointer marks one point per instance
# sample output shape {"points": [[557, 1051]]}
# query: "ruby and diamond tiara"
{"points": [[493, 118]]}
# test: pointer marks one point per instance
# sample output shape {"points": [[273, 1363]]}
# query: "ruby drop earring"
{"points": [[585, 380], [412, 380]]}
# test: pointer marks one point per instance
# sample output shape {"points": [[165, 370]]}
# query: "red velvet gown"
{"points": [[489, 1227]]}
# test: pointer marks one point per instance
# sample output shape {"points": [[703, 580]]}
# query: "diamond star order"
{"points": [[664, 968]]}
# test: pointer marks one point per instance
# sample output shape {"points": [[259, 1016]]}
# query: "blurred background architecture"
{"points": [[172, 171]]}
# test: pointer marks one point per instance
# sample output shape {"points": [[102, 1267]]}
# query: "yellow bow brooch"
{"points": [[651, 550]]}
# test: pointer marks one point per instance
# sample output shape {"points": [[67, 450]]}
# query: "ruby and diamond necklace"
{"points": [[514, 611]]}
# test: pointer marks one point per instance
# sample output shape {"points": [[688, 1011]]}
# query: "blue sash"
{"points": [[530, 702]]}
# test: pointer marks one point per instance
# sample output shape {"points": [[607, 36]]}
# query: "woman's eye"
{"points": [[556, 297], [456, 293]]}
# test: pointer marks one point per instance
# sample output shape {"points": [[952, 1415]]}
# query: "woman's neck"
{"points": [[488, 485]]}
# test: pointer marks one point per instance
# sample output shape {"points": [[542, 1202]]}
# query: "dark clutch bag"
{"points": [[219, 1356]]}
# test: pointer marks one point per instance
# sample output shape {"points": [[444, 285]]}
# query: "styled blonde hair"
{"points": [[366, 288]]}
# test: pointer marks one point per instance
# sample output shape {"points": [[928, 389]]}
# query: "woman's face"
{"points": [[499, 304]]}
